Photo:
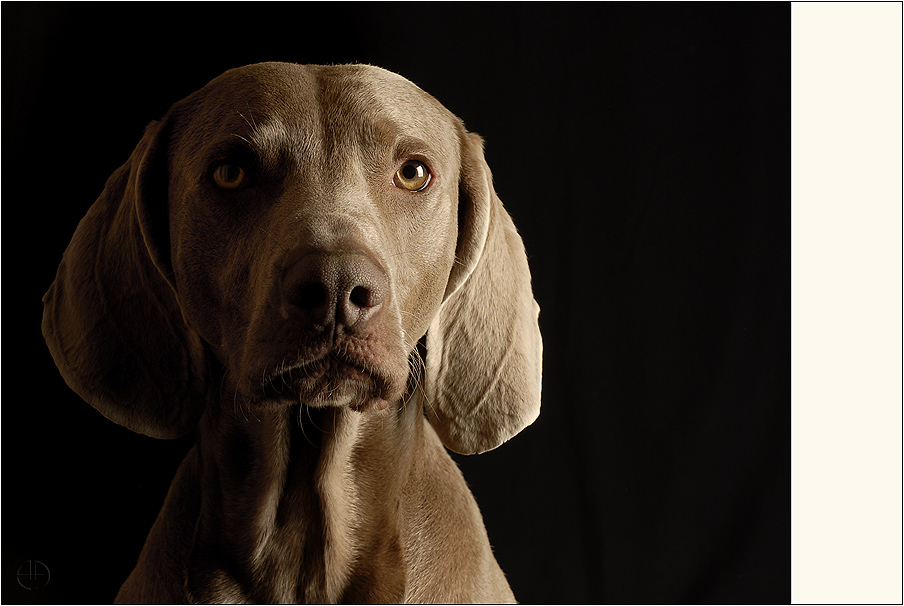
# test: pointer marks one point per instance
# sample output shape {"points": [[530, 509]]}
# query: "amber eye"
{"points": [[230, 176], [413, 176]]}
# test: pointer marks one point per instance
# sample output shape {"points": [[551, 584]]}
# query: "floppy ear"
{"points": [[484, 351], [112, 320]]}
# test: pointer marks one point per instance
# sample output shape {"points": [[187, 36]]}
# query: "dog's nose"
{"points": [[342, 290]]}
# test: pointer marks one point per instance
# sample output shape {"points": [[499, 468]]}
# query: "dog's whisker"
{"points": [[300, 422]]}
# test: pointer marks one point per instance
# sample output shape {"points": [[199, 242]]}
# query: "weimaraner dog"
{"points": [[309, 267]]}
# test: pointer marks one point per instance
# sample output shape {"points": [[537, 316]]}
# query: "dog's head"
{"points": [[288, 234]]}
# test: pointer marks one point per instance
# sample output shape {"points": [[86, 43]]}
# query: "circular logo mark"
{"points": [[33, 574]]}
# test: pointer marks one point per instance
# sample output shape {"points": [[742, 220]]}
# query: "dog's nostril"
{"points": [[362, 297], [310, 296]]}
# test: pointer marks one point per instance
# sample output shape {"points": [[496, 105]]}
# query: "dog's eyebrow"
{"points": [[235, 146], [407, 145]]}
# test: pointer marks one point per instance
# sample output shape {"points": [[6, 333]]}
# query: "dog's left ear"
{"points": [[484, 351]]}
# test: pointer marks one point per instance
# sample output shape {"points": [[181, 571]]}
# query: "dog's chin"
{"points": [[331, 381], [344, 388]]}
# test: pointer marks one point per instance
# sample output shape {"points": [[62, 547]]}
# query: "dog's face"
{"points": [[312, 227], [287, 235]]}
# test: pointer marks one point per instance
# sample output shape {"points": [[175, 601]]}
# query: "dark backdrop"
{"points": [[644, 153]]}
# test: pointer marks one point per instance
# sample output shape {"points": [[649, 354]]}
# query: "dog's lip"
{"points": [[294, 377], [335, 357]]}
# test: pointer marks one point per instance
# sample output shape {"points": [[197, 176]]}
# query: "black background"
{"points": [[644, 153]]}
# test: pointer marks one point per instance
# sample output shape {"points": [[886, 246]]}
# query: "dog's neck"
{"points": [[282, 498]]}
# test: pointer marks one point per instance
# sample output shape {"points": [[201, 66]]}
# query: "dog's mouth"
{"points": [[337, 378]]}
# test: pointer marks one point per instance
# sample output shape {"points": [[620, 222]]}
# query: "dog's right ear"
{"points": [[112, 319]]}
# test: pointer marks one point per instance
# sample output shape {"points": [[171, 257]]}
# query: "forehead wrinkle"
{"points": [[344, 124], [286, 133], [382, 120], [275, 136], [417, 121]]}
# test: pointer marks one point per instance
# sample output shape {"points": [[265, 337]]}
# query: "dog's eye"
{"points": [[412, 176], [230, 176]]}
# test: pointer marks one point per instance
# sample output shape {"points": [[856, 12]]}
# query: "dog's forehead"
{"points": [[315, 99]]}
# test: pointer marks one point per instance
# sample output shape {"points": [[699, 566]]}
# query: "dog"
{"points": [[308, 267]]}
